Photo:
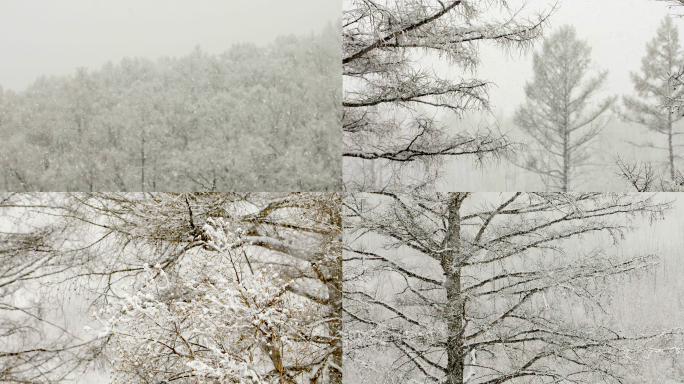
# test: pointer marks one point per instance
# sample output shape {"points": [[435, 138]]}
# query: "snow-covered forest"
{"points": [[513, 288], [423, 191], [513, 95], [254, 118], [455, 288], [170, 288]]}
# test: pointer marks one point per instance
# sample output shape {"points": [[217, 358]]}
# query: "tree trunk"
{"points": [[335, 296], [142, 156], [566, 140], [566, 160], [335, 292], [670, 147], [454, 314]]}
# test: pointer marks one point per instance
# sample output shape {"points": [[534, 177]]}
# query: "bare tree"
{"points": [[391, 95], [110, 239], [675, 103], [487, 288], [674, 3], [304, 228], [36, 344], [555, 114]]}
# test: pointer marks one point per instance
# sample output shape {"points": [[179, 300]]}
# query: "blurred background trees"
{"points": [[556, 115], [651, 105], [252, 118]]}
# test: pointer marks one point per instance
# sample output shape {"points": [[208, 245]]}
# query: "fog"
{"points": [[144, 64], [54, 38], [617, 32]]}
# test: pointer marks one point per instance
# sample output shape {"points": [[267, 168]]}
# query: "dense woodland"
{"points": [[252, 118]]}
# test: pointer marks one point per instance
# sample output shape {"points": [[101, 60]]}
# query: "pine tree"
{"points": [[555, 115], [654, 91]]}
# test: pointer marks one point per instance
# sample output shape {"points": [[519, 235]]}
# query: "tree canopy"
{"points": [[490, 288], [188, 288], [251, 119]]}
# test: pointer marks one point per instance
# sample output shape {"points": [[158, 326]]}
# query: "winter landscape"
{"points": [[513, 288], [513, 95], [140, 96], [477, 288], [179, 206], [170, 288]]}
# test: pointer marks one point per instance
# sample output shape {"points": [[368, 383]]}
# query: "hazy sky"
{"points": [[617, 31], [40, 37]]}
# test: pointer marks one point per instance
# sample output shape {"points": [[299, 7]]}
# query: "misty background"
{"points": [[46, 38], [145, 96], [617, 31]]}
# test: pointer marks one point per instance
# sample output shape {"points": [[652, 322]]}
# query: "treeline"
{"points": [[252, 118]]}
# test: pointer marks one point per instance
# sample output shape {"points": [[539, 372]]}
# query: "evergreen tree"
{"points": [[654, 91], [556, 115]]}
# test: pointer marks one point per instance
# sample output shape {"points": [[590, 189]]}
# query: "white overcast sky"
{"points": [[41, 37], [617, 31]]}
